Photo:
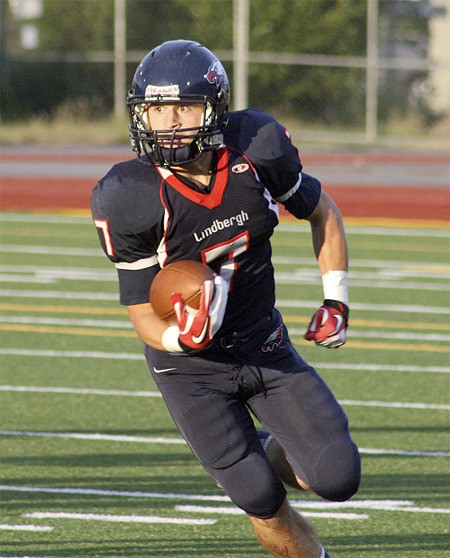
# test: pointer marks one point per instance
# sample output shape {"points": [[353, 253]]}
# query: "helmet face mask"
{"points": [[181, 72]]}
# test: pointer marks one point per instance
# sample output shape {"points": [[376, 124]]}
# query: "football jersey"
{"points": [[147, 216]]}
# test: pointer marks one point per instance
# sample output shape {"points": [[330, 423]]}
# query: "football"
{"points": [[185, 277]]}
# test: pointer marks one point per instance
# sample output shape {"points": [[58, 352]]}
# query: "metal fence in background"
{"points": [[378, 67]]}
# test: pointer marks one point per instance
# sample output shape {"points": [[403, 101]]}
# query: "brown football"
{"points": [[185, 277]]}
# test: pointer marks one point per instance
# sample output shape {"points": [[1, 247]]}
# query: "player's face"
{"points": [[175, 116]]}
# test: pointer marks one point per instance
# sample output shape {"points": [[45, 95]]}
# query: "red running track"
{"points": [[401, 202], [371, 200]]}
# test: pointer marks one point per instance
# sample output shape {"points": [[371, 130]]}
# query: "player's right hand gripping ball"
{"points": [[198, 327], [328, 327]]}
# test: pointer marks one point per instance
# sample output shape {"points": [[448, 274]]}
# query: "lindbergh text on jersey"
{"points": [[217, 225]]}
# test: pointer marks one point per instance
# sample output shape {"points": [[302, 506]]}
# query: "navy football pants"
{"points": [[212, 397]]}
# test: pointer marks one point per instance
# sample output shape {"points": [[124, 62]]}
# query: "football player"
{"points": [[206, 186]]}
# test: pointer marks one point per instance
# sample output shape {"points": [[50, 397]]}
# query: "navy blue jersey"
{"points": [[148, 217]]}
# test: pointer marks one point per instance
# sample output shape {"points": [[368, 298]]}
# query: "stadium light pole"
{"points": [[372, 71], [241, 16], [119, 58]]}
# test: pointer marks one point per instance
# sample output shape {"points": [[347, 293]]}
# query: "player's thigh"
{"points": [[306, 419], [204, 405], [220, 431], [300, 404]]}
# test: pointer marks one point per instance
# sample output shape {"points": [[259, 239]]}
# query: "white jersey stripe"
{"points": [[161, 250], [139, 264], [292, 191]]}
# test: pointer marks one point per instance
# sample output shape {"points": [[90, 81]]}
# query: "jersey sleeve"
{"points": [[127, 223], [303, 197], [268, 146]]}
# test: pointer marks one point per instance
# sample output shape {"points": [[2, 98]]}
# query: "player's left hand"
{"points": [[197, 328], [328, 327]]}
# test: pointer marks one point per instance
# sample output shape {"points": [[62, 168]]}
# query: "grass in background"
{"points": [[112, 451], [65, 131], [73, 124]]}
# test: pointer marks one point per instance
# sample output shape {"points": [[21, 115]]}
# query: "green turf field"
{"points": [[91, 464]]}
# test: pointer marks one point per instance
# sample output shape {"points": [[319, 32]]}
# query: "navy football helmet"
{"points": [[178, 72]]}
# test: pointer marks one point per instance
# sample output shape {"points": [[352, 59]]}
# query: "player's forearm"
{"points": [[147, 325], [328, 235], [330, 247]]}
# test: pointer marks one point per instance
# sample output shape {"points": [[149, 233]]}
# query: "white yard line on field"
{"points": [[395, 405], [402, 335], [81, 391], [386, 273], [225, 510], [383, 505], [380, 280], [139, 356], [396, 308], [359, 504], [280, 303], [4, 527], [74, 354], [119, 493], [305, 269], [71, 295], [404, 453], [119, 518], [98, 437], [371, 230], [126, 324], [11, 278], [44, 218], [386, 266], [52, 250], [402, 229], [128, 393]]}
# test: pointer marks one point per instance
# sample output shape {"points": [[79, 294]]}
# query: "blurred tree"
{"points": [[326, 94], [322, 27], [289, 26], [151, 22], [301, 26], [210, 23], [78, 25], [404, 33]]}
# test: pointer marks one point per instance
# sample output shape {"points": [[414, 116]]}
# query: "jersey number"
{"points": [[230, 249], [103, 225]]}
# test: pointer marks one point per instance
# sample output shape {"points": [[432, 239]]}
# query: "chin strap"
{"points": [[169, 156]]}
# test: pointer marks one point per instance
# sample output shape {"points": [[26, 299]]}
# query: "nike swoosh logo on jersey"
{"points": [[161, 370]]}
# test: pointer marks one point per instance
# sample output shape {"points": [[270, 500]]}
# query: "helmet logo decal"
{"points": [[162, 92], [215, 72]]}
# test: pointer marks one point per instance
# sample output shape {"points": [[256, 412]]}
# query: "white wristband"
{"points": [[169, 339], [335, 286]]}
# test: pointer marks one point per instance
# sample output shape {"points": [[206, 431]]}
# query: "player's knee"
{"points": [[338, 472], [252, 486]]}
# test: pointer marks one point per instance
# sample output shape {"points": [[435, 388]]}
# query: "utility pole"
{"points": [[120, 52], [372, 71], [241, 16]]}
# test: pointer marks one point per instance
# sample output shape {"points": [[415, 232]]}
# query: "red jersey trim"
{"points": [[211, 199]]}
